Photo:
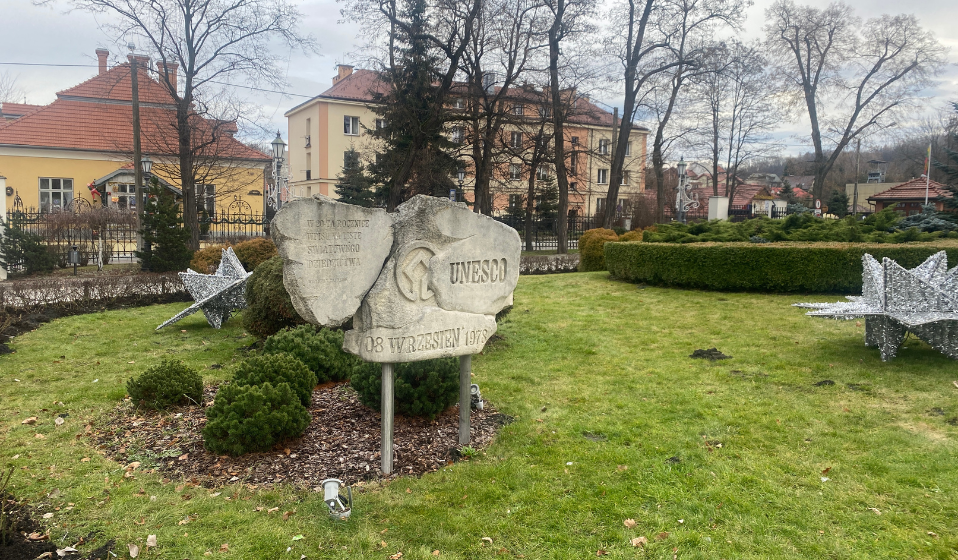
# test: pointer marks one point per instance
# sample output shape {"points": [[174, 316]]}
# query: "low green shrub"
{"points": [[247, 418], [168, 384], [423, 388], [591, 255], [277, 369], [634, 235], [268, 307], [255, 252], [321, 351], [759, 267]]}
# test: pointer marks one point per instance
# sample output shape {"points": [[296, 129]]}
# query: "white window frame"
{"points": [[625, 177], [602, 177], [518, 109], [604, 147], [380, 124], [60, 190], [515, 171], [628, 149], [208, 198], [542, 173], [515, 141], [459, 103], [458, 135], [350, 125]]}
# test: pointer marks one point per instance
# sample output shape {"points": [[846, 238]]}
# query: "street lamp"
{"points": [[146, 164], [684, 201], [461, 174], [279, 149]]}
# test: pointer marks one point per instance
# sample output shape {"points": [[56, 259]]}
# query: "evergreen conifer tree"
{"points": [[950, 167], [165, 240], [787, 193], [416, 157], [23, 250], [353, 185]]}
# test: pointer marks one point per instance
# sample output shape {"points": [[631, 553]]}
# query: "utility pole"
{"points": [[137, 154], [858, 164]]}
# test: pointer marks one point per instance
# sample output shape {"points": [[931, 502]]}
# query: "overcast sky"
{"points": [[49, 35]]}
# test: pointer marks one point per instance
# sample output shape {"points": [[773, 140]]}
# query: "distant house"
{"points": [[80, 147], [910, 196]]}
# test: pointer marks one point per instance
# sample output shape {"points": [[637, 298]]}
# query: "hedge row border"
{"points": [[772, 268]]}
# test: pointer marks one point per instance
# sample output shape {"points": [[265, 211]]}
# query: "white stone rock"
{"points": [[332, 254]]}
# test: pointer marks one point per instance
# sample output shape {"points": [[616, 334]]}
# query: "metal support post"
{"points": [[386, 450], [465, 397]]}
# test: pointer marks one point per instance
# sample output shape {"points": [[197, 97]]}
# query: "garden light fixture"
{"points": [[146, 164], [339, 506]]}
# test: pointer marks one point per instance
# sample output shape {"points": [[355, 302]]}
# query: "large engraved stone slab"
{"points": [[450, 271], [332, 255]]}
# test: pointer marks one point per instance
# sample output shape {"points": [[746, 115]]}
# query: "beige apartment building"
{"points": [[323, 129]]}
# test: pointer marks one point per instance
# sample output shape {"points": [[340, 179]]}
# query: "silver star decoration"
{"points": [[218, 295], [896, 301]]}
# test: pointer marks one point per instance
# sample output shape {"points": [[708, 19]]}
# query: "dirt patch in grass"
{"points": [[342, 441], [26, 539]]}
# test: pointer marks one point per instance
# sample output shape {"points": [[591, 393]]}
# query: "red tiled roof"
{"points": [[361, 85], [116, 85], [79, 120], [8, 109], [914, 190]]}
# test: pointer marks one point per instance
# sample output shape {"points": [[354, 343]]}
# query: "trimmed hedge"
{"points": [[268, 307], [770, 267]]}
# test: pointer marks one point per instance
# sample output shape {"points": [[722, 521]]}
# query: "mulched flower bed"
{"points": [[26, 539], [341, 442]]}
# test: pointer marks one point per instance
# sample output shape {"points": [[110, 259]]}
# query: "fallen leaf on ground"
{"points": [[629, 523], [382, 544], [487, 539], [30, 421], [396, 556], [224, 547], [61, 552], [287, 514], [140, 522], [932, 534], [47, 515], [639, 541], [826, 470], [601, 552], [37, 537], [876, 510], [662, 536], [271, 510], [134, 550], [622, 467], [85, 460], [825, 479], [298, 538], [955, 383], [435, 553], [151, 540], [183, 457], [409, 490], [40, 436], [59, 421]]}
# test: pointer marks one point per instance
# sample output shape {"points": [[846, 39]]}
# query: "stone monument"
{"points": [[424, 282]]}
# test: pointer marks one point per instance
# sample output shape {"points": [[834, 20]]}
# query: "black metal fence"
{"points": [[544, 231]]}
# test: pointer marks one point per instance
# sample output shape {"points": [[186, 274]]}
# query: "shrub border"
{"points": [[767, 267]]}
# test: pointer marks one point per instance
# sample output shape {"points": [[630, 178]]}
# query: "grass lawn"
{"points": [[740, 458]]}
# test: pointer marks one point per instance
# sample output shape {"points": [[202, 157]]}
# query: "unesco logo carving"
{"points": [[412, 275]]}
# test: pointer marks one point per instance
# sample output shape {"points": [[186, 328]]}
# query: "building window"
{"points": [[599, 205], [573, 164], [309, 129], [515, 202], [516, 140], [545, 112], [542, 173], [458, 135], [628, 149], [351, 125], [55, 194], [518, 109], [625, 178], [515, 171], [604, 147], [206, 199], [459, 103], [603, 177], [380, 124], [124, 196], [575, 140], [309, 166]]}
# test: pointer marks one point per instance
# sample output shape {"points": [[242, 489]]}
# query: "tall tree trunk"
{"points": [[530, 207], [558, 118], [187, 178]]}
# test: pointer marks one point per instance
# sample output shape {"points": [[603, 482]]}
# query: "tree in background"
{"points": [[165, 240], [852, 78], [787, 193], [353, 185], [838, 203], [212, 42], [9, 91], [950, 167], [23, 250]]}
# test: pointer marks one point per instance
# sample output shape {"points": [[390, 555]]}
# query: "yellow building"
{"points": [[80, 147], [323, 129]]}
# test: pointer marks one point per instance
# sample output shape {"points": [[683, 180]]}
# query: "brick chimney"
{"points": [[101, 55], [142, 60], [170, 67], [343, 71]]}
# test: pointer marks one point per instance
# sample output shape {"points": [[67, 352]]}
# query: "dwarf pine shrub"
{"points": [[277, 369], [248, 418], [423, 388], [168, 384], [321, 351], [268, 307]]}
